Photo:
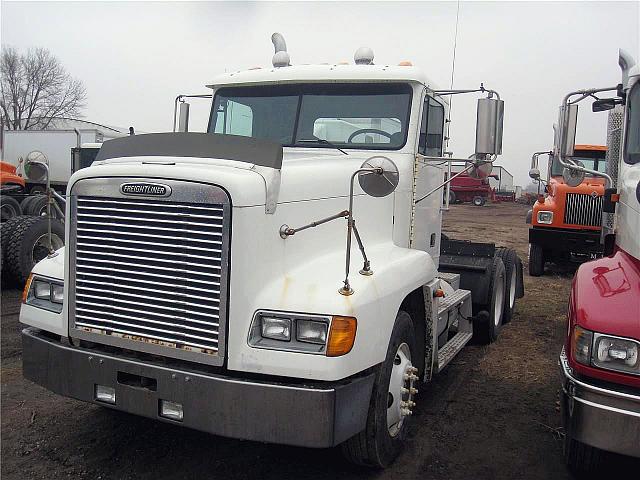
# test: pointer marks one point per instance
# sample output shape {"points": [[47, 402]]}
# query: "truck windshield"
{"points": [[632, 150], [592, 159], [371, 116]]}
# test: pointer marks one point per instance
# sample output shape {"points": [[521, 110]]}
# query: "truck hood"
{"points": [[607, 292], [303, 176]]}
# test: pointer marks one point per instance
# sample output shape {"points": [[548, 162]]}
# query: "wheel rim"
{"points": [[499, 303], [41, 247], [401, 390], [512, 288]]}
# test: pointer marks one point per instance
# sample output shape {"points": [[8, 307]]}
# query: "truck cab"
{"points": [[205, 280], [566, 221], [600, 358]]}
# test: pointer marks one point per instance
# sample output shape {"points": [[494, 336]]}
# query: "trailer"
{"points": [[265, 282]]}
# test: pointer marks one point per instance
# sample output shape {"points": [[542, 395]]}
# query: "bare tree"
{"points": [[36, 89]]}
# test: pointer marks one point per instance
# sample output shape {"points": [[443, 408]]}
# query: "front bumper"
{"points": [[566, 240], [310, 415], [600, 417]]}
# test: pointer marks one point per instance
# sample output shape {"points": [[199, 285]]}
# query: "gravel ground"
{"points": [[492, 414]]}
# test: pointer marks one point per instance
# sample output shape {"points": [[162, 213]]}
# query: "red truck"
{"points": [[465, 188], [600, 359]]}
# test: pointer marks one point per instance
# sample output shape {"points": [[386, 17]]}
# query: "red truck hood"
{"points": [[609, 295]]}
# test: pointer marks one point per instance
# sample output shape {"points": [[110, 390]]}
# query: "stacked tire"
{"points": [[24, 242], [9, 208]]}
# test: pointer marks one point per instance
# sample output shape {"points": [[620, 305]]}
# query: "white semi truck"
{"points": [[205, 280]]}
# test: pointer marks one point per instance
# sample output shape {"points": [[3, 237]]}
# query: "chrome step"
{"points": [[451, 348], [452, 279], [451, 301]]}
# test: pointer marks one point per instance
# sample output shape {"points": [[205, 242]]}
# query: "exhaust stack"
{"points": [[281, 56]]}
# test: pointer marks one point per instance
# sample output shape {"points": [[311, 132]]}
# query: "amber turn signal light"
{"points": [[27, 286], [342, 334]]}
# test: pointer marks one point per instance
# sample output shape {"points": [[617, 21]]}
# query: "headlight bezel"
{"points": [[337, 338], [43, 301], [591, 340], [546, 213], [293, 344]]}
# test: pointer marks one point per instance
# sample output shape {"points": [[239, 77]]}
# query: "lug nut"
{"points": [[413, 391], [411, 404], [404, 391]]}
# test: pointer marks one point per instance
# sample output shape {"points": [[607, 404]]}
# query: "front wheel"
{"points": [[478, 201], [392, 400], [536, 260]]}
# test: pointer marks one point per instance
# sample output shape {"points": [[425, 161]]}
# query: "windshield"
{"points": [[371, 116], [592, 159], [632, 147]]}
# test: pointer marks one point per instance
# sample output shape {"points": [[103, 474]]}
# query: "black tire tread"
{"points": [[15, 246], [580, 457], [489, 334], [536, 260], [37, 202], [9, 200], [510, 259], [5, 233]]}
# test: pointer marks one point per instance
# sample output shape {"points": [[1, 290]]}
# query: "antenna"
{"points": [[453, 64]]}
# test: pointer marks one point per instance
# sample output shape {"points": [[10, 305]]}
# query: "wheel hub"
{"points": [[402, 391]]}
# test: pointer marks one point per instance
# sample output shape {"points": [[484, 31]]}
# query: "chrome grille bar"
{"points": [[583, 209], [150, 274]]}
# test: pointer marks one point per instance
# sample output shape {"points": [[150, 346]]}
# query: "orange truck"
{"points": [[11, 183], [566, 220]]}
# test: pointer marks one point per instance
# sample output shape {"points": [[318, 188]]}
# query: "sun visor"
{"points": [[199, 145]]}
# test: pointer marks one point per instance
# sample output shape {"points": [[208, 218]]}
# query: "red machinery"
{"points": [[465, 188]]}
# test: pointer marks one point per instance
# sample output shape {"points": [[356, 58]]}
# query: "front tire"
{"points": [[478, 201], [536, 260], [392, 397]]}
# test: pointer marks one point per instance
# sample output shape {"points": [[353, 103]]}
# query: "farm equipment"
{"points": [[600, 359], [205, 280], [566, 220], [467, 188]]}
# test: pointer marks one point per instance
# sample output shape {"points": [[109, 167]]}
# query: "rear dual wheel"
{"points": [[510, 259], [391, 402]]}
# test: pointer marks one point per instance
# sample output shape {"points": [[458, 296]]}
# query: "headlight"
{"points": [[294, 332], [614, 353], [276, 328], [44, 293], [605, 351], [545, 217]]}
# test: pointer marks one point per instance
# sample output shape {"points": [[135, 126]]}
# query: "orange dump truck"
{"points": [[566, 221]]}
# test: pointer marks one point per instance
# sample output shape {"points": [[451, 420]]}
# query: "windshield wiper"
{"points": [[322, 140]]}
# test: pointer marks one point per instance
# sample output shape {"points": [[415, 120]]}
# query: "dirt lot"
{"points": [[491, 415]]}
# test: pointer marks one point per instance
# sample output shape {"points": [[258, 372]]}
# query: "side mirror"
{"points": [[604, 104], [534, 173], [36, 168], [183, 117], [568, 121], [489, 121], [379, 184], [573, 177]]}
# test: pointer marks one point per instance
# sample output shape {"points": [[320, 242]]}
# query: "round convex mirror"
{"points": [[379, 184], [572, 177], [35, 166]]}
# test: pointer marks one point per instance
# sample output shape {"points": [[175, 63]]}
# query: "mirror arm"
{"points": [[446, 182], [565, 162], [286, 231], [179, 99], [366, 269]]}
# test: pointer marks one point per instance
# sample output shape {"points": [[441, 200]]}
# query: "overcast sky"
{"points": [[135, 57]]}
